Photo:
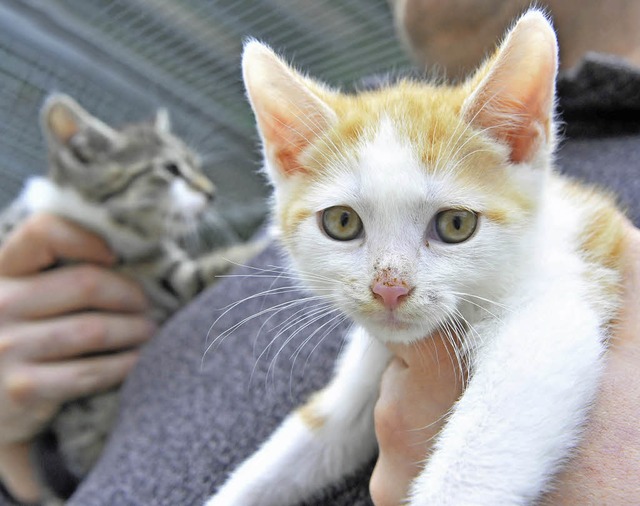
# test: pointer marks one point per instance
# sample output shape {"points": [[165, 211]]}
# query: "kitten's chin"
{"points": [[391, 329]]}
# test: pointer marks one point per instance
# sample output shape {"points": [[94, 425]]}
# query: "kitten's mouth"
{"points": [[393, 321]]}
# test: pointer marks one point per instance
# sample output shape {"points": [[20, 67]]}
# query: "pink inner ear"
{"points": [[284, 145], [519, 116], [289, 109], [524, 130], [525, 141]]}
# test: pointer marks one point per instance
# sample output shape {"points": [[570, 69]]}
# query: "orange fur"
{"points": [[602, 239], [310, 414], [429, 118]]}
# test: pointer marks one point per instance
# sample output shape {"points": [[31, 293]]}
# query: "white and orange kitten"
{"points": [[416, 208]]}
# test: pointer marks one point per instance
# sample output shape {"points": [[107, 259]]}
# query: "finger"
{"points": [[63, 381], [436, 353], [391, 478], [72, 336], [70, 289], [627, 337], [43, 239]]}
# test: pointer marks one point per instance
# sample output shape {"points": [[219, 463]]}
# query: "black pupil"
{"points": [[344, 219], [173, 169], [457, 222]]}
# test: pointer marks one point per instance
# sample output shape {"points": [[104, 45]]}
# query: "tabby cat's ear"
{"points": [[63, 118], [289, 111], [513, 93]]}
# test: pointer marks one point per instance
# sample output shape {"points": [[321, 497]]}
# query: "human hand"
{"points": [[418, 388], [605, 467], [51, 322]]}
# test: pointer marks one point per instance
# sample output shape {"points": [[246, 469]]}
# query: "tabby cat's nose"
{"points": [[389, 293]]}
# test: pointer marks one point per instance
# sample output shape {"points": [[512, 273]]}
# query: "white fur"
{"points": [[42, 195], [534, 380], [396, 199], [186, 199]]}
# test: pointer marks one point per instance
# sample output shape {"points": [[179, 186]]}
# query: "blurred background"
{"points": [[122, 59]]}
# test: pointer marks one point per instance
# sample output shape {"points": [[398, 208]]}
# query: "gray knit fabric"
{"points": [[189, 417]]}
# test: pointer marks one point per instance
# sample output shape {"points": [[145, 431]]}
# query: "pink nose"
{"points": [[390, 294]]}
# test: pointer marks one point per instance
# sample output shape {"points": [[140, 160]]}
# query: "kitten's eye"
{"points": [[456, 225], [172, 168], [341, 223]]}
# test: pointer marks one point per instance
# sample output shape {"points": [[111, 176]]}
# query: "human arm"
{"points": [[606, 467], [49, 319], [455, 36]]}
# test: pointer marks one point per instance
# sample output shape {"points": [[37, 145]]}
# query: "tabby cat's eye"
{"points": [[456, 225], [172, 168], [341, 223]]}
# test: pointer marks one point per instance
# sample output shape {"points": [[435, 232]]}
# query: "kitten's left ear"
{"points": [[513, 95], [288, 109], [63, 118]]}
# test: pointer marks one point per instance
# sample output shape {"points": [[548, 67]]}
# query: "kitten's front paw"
{"points": [[220, 500]]}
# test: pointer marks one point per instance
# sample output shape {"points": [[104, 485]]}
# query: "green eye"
{"points": [[456, 225], [341, 223]]}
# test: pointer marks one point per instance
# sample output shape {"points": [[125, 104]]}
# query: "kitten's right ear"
{"points": [[63, 118], [513, 99], [288, 110]]}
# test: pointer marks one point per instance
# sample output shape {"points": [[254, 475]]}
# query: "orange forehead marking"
{"points": [[426, 115]]}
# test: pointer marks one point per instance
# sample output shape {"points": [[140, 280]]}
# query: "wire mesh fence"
{"points": [[122, 59]]}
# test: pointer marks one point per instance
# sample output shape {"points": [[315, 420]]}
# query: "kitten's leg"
{"points": [[523, 409], [183, 278], [328, 438]]}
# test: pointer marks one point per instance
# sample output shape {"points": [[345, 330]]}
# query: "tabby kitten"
{"points": [[136, 187], [419, 208]]}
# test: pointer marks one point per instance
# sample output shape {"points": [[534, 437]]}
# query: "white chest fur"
{"points": [[42, 195]]}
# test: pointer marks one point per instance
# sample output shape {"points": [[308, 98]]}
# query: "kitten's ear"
{"points": [[163, 122], [289, 112], [63, 118], [513, 94]]}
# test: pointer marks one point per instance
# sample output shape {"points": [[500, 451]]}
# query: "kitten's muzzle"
{"points": [[202, 185], [390, 289]]}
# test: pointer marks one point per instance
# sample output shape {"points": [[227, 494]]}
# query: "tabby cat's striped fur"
{"points": [[136, 187]]}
